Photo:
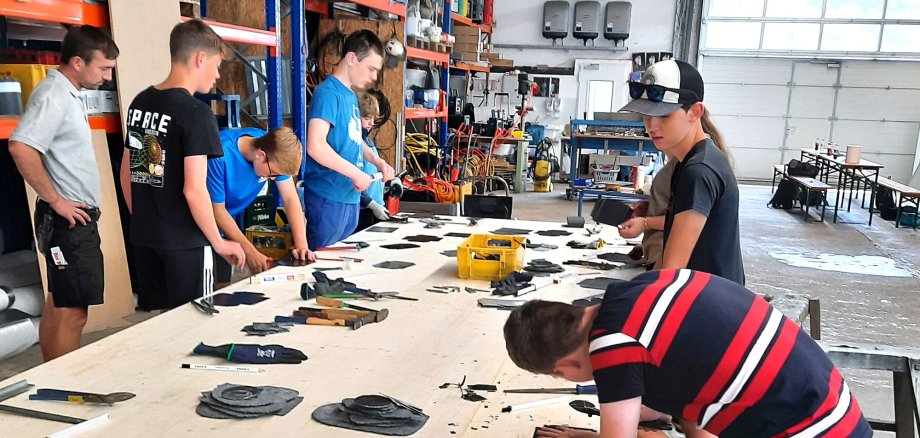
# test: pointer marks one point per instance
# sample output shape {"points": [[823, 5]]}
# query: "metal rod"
{"points": [[41, 415]]}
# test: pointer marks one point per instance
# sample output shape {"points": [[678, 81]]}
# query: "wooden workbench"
{"points": [[422, 344]]}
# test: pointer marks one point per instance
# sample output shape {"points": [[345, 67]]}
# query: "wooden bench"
{"points": [[906, 195], [810, 185], [903, 363]]}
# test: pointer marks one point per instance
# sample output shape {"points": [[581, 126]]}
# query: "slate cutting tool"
{"points": [[21, 387], [578, 389], [80, 397]]}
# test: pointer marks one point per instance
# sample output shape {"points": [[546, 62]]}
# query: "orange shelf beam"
{"points": [[111, 123], [320, 7], [413, 52], [459, 19], [384, 5], [240, 34], [415, 113], [470, 67], [56, 11]]}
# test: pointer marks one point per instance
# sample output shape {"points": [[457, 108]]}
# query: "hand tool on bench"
{"points": [[578, 389], [354, 324], [337, 313], [340, 248], [80, 397], [590, 409], [342, 305], [339, 259], [21, 387]]}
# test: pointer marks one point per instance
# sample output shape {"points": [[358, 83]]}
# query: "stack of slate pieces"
{"points": [[229, 401], [264, 329], [372, 413]]}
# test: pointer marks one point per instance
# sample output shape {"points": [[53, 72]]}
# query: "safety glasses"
{"points": [[271, 175], [655, 92]]}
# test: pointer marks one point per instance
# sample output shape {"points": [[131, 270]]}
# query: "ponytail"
{"points": [[710, 129]]}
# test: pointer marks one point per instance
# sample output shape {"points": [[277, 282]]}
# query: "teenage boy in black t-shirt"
{"points": [[170, 137]]}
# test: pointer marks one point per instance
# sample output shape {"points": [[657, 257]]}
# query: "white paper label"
{"points": [[58, 256]]}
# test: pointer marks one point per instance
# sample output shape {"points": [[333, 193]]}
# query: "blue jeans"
{"points": [[328, 221]]}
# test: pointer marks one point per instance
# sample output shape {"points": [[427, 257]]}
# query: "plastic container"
{"points": [[28, 75], [854, 153], [483, 256], [10, 97]]}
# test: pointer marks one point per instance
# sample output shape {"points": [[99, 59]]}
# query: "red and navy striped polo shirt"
{"points": [[706, 349]]}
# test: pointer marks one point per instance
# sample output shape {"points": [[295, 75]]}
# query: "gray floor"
{"points": [[856, 307]]}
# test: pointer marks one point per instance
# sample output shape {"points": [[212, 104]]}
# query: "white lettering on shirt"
{"points": [[149, 120]]}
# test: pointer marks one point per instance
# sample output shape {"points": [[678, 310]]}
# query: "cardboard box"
{"points": [[466, 30], [465, 48], [469, 56], [502, 63], [490, 56]]}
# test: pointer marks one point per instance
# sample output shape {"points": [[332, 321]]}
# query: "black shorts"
{"points": [[73, 257], [169, 278]]}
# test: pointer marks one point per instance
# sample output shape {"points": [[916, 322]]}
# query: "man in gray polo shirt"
{"points": [[53, 150]]}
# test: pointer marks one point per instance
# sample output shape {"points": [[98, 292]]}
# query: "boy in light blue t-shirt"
{"points": [[336, 151], [251, 158]]}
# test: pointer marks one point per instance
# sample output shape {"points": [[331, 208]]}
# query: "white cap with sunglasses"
{"points": [[664, 88]]}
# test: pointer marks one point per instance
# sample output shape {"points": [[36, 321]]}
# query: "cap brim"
{"points": [[649, 108]]}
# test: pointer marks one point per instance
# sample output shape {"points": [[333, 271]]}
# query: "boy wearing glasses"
{"points": [[170, 137], [252, 157]]}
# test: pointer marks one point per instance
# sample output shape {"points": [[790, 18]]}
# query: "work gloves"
{"points": [[252, 353], [380, 212]]}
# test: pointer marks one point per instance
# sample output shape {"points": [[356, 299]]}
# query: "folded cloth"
{"points": [[252, 353]]}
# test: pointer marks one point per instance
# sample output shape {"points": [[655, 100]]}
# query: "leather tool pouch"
{"points": [[44, 226]]}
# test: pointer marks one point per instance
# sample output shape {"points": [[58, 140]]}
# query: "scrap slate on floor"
{"points": [[450, 252], [422, 238], [400, 246], [379, 229], [394, 264], [600, 283], [230, 401], [511, 231]]}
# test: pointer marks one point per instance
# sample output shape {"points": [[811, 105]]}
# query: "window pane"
{"points": [[901, 38], [850, 37], [855, 8], [600, 97], [791, 36], [903, 9], [736, 8], [722, 35], [794, 8]]}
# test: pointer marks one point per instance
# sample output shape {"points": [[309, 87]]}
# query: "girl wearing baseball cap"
{"points": [[700, 224]]}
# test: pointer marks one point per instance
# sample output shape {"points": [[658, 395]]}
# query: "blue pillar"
{"points": [[273, 23], [299, 52], [447, 26]]}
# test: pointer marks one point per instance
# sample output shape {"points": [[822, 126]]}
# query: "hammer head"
{"points": [[354, 324]]}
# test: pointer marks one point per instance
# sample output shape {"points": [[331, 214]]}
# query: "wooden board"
{"points": [[390, 81], [440, 338], [142, 35], [119, 298]]}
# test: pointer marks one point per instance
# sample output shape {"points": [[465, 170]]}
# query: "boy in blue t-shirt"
{"points": [[251, 158], [336, 151]]}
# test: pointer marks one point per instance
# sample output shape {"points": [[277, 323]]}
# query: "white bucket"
{"points": [[854, 152]]}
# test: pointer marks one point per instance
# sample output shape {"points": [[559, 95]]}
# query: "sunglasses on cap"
{"points": [[655, 92]]}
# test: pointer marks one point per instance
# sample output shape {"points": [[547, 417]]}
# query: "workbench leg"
{"points": [[581, 199], [903, 405], [814, 317], [520, 166]]}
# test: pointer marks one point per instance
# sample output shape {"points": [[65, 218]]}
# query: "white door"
{"points": [[601, 86]]}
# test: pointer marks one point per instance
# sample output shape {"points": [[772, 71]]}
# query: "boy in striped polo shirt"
{"points": [[710, 353]]}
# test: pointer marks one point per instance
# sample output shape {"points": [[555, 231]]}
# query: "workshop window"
{"points": [[600, 97], [879, 29]]}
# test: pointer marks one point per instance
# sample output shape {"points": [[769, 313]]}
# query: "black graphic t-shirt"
{"points": [[164, 127]]}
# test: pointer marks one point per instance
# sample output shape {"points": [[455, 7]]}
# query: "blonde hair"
{"points": [[709, 127], [369, 105], [282, 148]]}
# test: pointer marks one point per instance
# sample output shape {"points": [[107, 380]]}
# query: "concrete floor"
{"points": [[855, 307]]}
